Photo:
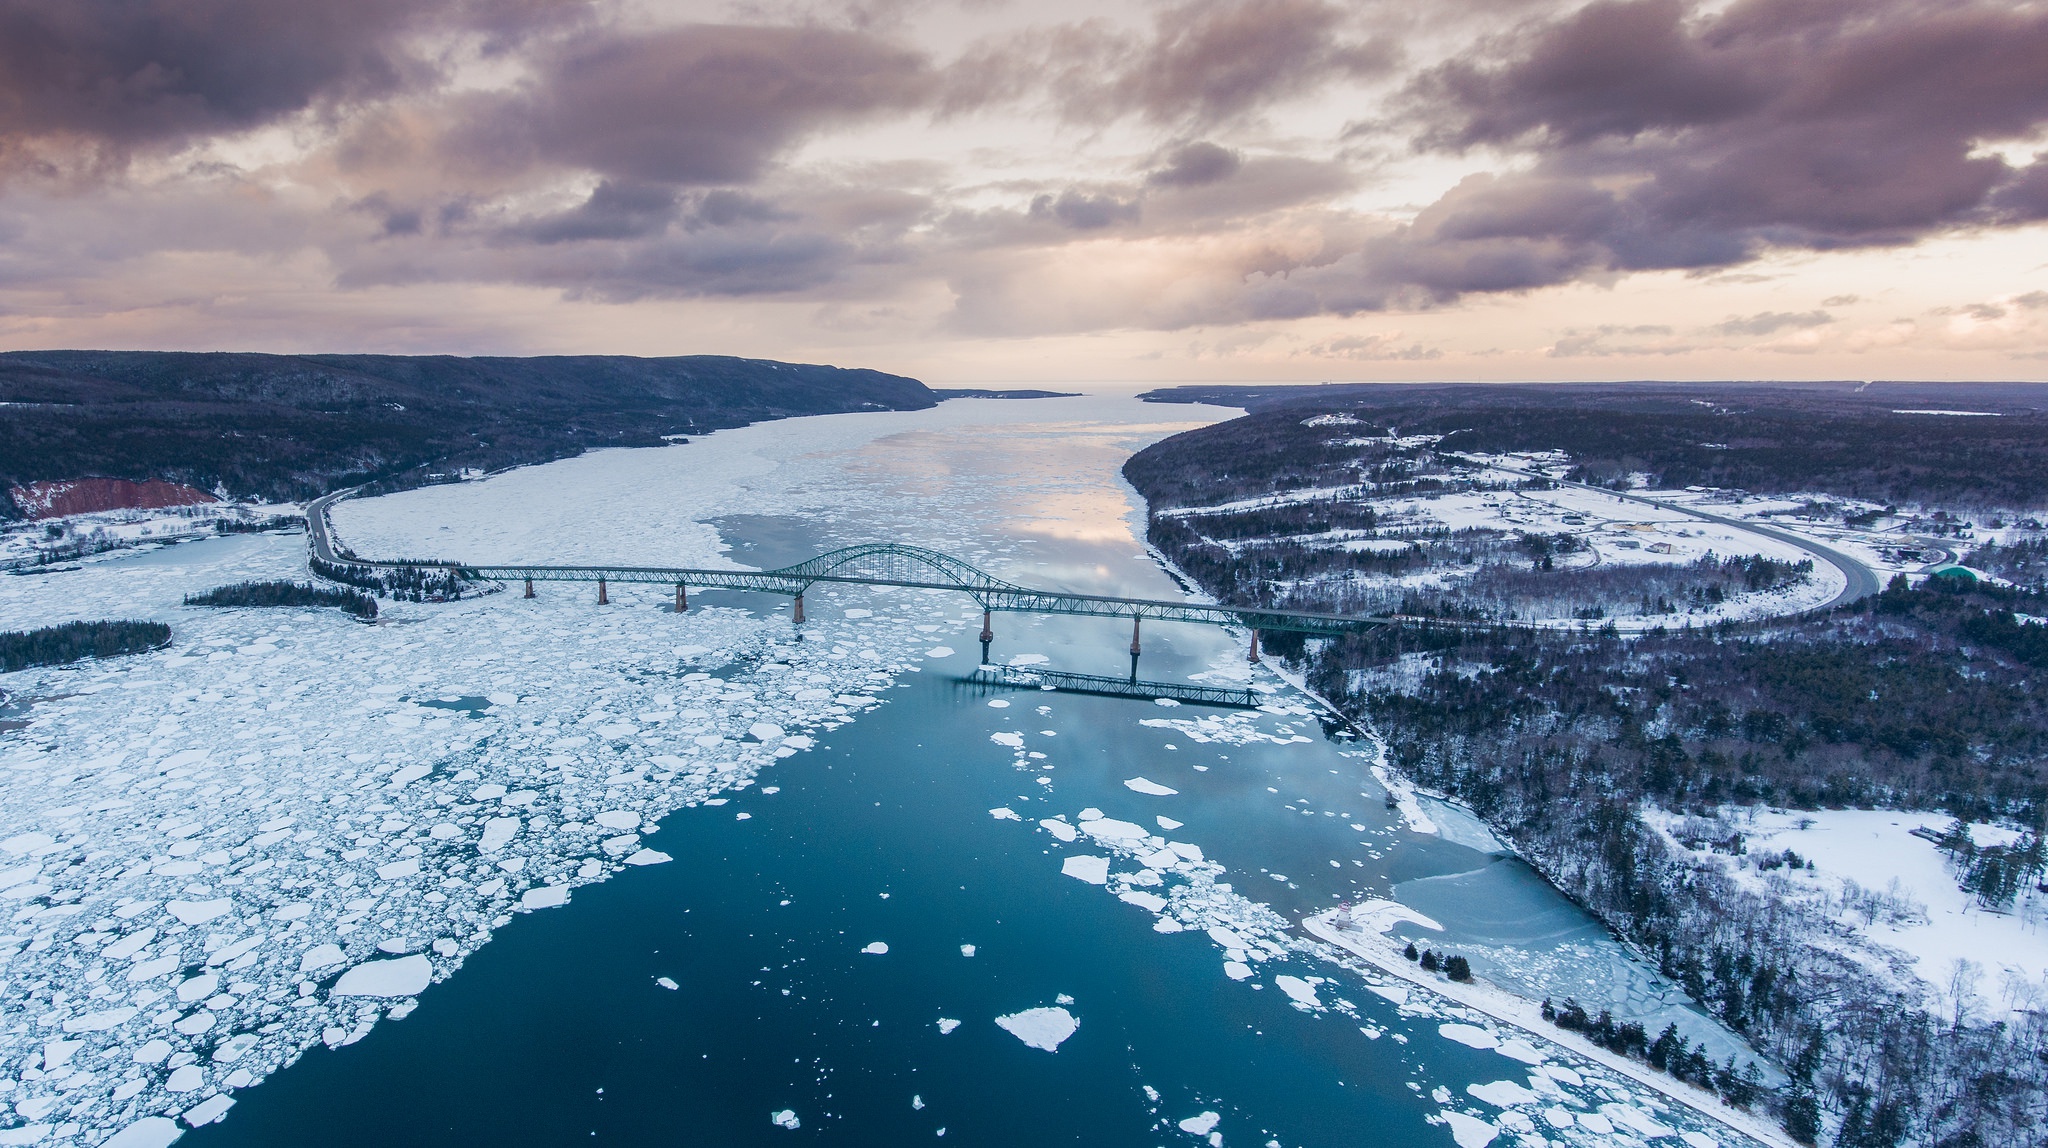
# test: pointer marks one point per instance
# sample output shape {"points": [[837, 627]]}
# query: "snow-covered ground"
{"points": [[1555, 1057], [22, 543], [1874, 876]]}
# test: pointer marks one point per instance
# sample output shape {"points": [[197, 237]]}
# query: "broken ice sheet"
{"points": [[257, 816]]}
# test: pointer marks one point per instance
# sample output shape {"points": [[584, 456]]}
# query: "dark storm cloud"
{"points": [[698, 105], [115, 75], [1211, 61], [1083, 211], [1196, 164], [1201, 63], [613, 211], [1666, 138]]}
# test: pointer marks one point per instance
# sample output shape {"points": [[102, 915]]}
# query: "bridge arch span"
{"points": [[894, 562]]}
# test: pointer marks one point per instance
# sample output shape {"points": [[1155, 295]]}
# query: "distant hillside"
{"points": [[293, 426], [1888, 442]]}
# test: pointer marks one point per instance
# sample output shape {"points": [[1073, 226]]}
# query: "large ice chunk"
{"points": [[1094, 870], [199, 912], [403, 977], [1042, 1028]]}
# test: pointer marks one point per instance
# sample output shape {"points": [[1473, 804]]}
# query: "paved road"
{"points": [[316, 524], [1859, 580]]}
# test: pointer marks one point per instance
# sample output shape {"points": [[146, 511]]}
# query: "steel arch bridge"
{"points": [[918, 568], [868, 564]]}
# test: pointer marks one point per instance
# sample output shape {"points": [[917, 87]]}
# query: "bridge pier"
{"points": [[1254, 659], [796, 611], [682, 599], [529, 587], [988, 633], [602, 598], [1134, 647]]}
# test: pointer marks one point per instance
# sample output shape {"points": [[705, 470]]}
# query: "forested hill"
{"points": [[292, 426], [1879, 441]]}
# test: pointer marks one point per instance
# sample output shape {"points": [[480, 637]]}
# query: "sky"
{"points": [[973, 191]]}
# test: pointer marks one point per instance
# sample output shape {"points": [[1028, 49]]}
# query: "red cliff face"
{"points": [[86, 495]]}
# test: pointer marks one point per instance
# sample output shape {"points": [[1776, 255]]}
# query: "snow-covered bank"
{"points": [[1365, 939]]}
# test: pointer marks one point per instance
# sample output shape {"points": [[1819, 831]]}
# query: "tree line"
{"points": [[274, 594], [75, 641]]}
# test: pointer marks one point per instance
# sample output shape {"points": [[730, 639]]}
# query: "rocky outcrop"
{"points": [[87, 495]]}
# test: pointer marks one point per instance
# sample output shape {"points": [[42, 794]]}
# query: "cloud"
{"points": [[1771, 322], [104, 78], [1201, 63], [1773, 121], [1212, 60], [695, 105], [613, 211], [1663, 135], [1161, 164], [1576, 344], [1374, 348], [1084, 212], [1196, 164]]}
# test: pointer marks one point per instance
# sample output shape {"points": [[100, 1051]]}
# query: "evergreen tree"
{"points": [[1802, 1116], [1661, 1049]]}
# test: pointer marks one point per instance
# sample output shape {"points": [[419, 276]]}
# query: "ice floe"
{"points": [[1045, 1028], [1298, 990], [403, 977], [1094, 870], [1470, 1131]]}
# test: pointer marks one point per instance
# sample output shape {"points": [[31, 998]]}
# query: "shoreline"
{"points": [[1526, 1016]]}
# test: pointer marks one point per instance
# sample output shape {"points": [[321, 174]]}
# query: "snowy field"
{"points": [[107, 530], [1880, 881]]}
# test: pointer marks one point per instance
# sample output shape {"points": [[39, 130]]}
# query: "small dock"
{"points": [[1037, 678]]}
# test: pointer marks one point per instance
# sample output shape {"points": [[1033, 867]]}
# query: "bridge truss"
{"points": [[918, 568]]}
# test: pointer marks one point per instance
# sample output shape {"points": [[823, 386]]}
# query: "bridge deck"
{"points": [[1002, 597], [868, 564], [1010, 677]]}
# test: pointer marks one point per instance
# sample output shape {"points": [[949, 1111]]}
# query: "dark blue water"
{"points": [[558, 1032]]}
